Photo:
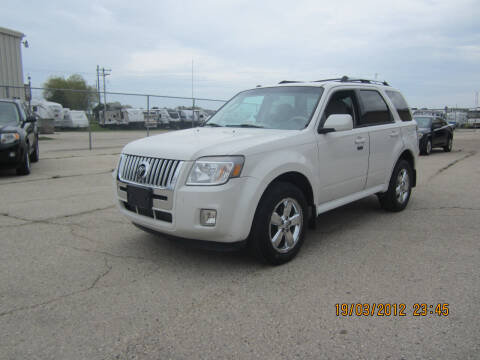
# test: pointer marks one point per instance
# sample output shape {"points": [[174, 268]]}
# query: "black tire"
{"points": [[36, 153], [391, 200], [449, 146], [290, 233], [428, 147], [24, 168]]}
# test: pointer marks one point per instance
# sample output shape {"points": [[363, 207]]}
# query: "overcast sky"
{"points": [[430, 50]]}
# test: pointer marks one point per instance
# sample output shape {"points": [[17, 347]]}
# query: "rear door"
{"points": [[343, 155], [384, 132]]}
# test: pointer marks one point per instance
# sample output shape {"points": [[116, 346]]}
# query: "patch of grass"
{"points": [[94, 126]]}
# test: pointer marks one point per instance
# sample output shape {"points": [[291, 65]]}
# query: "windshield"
{"points": [[289, 107], [423, 122], [8, 113]]}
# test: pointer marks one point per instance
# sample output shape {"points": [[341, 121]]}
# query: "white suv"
{"points": [[269, 161]]}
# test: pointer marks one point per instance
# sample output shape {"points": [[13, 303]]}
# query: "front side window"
{"points": [[400, 104], [8, 114], [374, 110], [341, 102], [289, 108]]}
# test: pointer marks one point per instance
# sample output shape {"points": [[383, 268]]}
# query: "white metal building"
{"points": [[11, 68]]}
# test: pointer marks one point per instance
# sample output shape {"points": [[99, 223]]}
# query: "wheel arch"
{"points": [[297, 179], [408, 156]]}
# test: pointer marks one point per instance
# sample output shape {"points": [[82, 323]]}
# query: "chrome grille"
{"points": [[160, 173]]}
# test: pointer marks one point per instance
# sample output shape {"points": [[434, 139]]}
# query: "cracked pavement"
{"points": [[77, 281]]}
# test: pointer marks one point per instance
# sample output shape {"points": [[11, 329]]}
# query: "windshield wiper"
{"points": [[212, 125], [246, 126]]}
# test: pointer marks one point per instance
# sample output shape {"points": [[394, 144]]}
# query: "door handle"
{"points": [[394, 134], [360, 140]]}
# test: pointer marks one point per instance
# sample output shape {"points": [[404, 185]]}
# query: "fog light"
{"points": [[208, 217], [12, 154]]}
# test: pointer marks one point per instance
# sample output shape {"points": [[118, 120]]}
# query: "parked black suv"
{"points": [[433, 132], [18, 136]]}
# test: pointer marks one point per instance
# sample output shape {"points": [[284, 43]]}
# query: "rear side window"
{"points": [[374, 110], [400, 104]]}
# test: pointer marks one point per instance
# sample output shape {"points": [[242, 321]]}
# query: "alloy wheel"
{"points": [[402, 189], [285, 225], [429, 147]]}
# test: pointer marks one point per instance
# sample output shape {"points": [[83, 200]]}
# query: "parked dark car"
{"points": [[433, 132], [18, 136]]}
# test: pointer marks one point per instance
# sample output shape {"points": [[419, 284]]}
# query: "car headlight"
{"points": [[9, 138], [215, 170]]}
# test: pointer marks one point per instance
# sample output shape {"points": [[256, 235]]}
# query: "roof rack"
{"points": [[342, 79], [363, 81], [289, 82]]}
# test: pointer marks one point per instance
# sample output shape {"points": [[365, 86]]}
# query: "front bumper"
{"points": [[177, 213], [10, 154]]}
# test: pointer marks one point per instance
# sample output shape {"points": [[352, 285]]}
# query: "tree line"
{"points": [[56, 90]]}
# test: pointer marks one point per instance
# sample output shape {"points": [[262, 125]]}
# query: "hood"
{"points": [[191, 144], [8, 128], [423, 130]]}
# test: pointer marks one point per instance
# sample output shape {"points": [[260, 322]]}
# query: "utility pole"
{"points": [[29, 93], [105, 72], [98, 83], [193, 100]]}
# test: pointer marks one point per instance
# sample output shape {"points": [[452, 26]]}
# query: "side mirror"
{"points": [[30, 119], [337, 122]]}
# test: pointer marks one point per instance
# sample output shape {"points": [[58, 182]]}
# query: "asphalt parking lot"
{"points": [[77, 281]]}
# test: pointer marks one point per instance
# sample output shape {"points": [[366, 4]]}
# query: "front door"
{"points": [[439, 132], [343, 155]]}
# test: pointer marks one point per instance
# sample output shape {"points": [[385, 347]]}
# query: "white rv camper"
{"points": [[57, 111], [73, 119], [134, 117], [151, 118], [66, 121], [50, 114], [174, 122], [79, 119], [48, 110], [123, 117], [168, 118], [76, 119], [189, 116], [111, 117]]}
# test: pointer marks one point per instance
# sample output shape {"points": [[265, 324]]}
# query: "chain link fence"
{"points": [[461, 117], [115, 116], [68, 110]]}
